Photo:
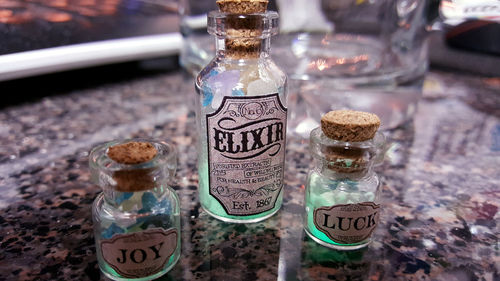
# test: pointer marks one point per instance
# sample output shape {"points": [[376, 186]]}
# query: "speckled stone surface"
{"points": [[440, 190]]}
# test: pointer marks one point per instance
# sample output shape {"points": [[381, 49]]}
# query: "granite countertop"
{"points": [[440, 190]]}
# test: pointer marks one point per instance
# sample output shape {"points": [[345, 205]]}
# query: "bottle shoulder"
{"points": [[246, 70], [139, 204], [317, 178]]}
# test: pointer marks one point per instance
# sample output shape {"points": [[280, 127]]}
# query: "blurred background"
{"points": [[369, 55], [28, 25], [75, 73]]}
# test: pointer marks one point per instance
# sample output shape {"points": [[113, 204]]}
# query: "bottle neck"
{"points": [[338, 159], [326, 169], [242, 48], [122, 182]]}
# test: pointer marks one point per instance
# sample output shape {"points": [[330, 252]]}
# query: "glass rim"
{"points": [[268, 21], [316, 135], [165, 153], [371, 151]]}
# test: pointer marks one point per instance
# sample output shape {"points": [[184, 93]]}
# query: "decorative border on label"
{"points": [[207, 116], [125, 236]]}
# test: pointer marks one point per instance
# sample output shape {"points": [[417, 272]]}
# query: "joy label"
{"points": [[139, 254]]}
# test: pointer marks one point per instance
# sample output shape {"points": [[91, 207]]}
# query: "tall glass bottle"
{"points": [[241, 120]]}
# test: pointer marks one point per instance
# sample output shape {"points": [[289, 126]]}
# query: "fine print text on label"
{"points": [[347, 223], [139, 254], [246, 153]]}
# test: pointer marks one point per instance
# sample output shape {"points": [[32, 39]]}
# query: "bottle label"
{"points": [[139, 254], [347, 223], [246, 153]]}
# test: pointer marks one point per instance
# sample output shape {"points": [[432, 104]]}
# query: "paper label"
{"points": [[139, 254], [246, 153], [348, 223]]}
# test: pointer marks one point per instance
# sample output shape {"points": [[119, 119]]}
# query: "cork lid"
{"points": [[242, 6], [132, 165], [133, 153], [350, 125]]}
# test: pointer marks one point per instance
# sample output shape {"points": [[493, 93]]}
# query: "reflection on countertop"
{"points": [[440, 190]]}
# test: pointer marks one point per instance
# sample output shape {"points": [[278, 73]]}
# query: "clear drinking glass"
{"points": [[372, 58], [371, 55], [198, 46]]}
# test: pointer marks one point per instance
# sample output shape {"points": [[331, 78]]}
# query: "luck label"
{"points": [[347, 223]]}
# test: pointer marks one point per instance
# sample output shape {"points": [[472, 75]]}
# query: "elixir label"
{"points": [[347, 223], [139, 254], [246, 153]]}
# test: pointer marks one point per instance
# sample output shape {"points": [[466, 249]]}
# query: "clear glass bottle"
{"points": [[241, 120], [342, 191], [137, 216]]}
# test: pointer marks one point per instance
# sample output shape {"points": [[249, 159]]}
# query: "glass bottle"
{"points": [[241, 120], [342, 191], [137, 216]]}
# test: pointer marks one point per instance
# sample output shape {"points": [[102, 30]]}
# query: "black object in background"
{"points": [[477, 35], [31, 89]]}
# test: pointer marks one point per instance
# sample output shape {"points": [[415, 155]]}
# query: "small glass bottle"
{"points": [[241, 116], [136, 217], [342, 191]]}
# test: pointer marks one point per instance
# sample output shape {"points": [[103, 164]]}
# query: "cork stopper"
{"points": [[242, 32], [133, 153], [350, 125], [242, 6], [345, 160]]}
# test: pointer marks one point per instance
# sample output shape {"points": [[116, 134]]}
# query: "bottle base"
{"points": [[151, 277], [337, 246], [231, 220]]}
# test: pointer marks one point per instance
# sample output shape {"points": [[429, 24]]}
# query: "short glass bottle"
{"points": [[241, 120], [137, 216], [342, 191]]}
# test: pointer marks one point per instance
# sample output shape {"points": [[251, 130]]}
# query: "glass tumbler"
{"points": [[371, 57], [198, 46]]}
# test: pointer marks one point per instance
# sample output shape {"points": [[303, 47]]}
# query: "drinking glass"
{"points": [[370, 56]]}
